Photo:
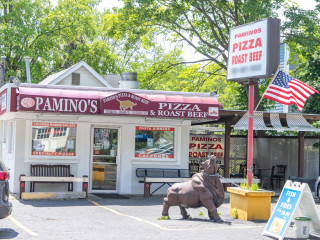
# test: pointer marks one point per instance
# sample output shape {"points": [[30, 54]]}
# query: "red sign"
{"points": [[53, 153], [3, 98], [203, 146], [47, 124], [58, 104], [154, 128], [126, 103]]}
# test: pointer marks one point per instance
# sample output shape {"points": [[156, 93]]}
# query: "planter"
{"points": [[250, 205]]}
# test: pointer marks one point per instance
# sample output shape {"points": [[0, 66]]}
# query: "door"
{"points": [[104, 159]]}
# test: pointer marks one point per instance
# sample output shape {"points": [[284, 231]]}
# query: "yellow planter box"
{"points": [[250, 205]]}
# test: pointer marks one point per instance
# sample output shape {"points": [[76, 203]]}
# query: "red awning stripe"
{"points": [[180, 99]]}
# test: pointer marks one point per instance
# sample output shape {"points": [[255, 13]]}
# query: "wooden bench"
{"points": [[169, 176], [42, 173], [162, 176]]}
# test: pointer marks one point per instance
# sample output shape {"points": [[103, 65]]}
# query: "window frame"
{"points": [[51, 157], [162, 159]]}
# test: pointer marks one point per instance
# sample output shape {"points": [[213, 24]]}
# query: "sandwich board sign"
{"points": [[295, 199]]}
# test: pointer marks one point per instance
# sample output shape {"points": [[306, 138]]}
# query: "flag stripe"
{"points": [[287, 90]]}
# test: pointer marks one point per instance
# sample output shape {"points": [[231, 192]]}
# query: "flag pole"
{"points": [[267, 87]]}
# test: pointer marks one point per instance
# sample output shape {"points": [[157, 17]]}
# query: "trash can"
{"points": [[302, 227]]}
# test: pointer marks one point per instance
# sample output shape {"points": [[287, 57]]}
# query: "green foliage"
{"points": [[302, 33], [253, 187], [235, 213]]}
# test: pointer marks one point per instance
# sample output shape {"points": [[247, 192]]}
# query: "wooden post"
{"points": [[319, 160], [226, 173], [301, 154], [22, 186], [85, 186], [146, 189]]}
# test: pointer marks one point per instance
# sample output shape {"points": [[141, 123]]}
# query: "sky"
{"points": [[189, 51]]}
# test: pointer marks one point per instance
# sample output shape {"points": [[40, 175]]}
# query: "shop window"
{"points": [[53, 139], [154, 142]]}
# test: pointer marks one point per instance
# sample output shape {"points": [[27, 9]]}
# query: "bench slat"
{"points": [[165, 180], [53, 179], [176, 180]]}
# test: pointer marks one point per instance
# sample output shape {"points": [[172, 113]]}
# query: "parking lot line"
{"points": [[169, 229], [14, 221]]}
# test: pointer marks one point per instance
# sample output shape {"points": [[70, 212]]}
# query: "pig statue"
{"points": [[204, 189]]}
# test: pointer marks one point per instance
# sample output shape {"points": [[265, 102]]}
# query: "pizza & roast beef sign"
{"points": [[126, 103]]}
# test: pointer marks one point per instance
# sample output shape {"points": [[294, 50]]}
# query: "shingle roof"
{"points": [[113, 79]]}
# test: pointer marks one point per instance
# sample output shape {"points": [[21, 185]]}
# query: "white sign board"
{"points": [[254, 50], [295, 198]]}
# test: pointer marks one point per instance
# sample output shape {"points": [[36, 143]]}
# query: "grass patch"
{"points": [[235, 213], [254, 186], [164, 218]]}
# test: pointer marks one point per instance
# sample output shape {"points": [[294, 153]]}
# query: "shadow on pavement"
{"points": [[8, 233]]}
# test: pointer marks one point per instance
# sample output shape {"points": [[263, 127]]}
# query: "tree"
{"points": [[53, 37], [302, 35], [202, 24]]}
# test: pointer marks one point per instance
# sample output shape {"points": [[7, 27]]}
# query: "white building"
{"points": [[74, 117]]}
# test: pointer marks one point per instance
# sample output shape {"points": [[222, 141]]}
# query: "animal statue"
{"points": [[204, 189], [124, 105]]}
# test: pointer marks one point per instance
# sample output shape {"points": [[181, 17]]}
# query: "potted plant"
{"points": [[250, 203]]}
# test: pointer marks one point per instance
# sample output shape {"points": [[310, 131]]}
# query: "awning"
{"points": [[276, 121], [117, 103], [58, 100]]}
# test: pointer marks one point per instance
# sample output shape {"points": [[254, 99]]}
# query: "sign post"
{"points": [[254, 52], [250, 136], [295, 198]]}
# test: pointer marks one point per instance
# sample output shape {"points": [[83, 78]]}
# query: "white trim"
{"points": [[76, 67]]}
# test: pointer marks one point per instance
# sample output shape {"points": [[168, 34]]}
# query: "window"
{"points": [[154, 142], [53, 139], [75, 79]]}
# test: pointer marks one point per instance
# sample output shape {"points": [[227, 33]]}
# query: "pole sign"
{"points": [[254, 50], [294, 196]]}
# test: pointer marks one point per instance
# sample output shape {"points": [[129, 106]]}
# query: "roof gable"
{"points": [[57, 77]]}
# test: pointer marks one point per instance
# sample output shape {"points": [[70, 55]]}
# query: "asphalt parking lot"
{"points": [[133, 218]]}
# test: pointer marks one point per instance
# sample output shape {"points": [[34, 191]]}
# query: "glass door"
{"points": [[104, 159]]}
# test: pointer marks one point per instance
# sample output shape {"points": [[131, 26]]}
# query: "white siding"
{"points": [[86, 79], [20, 159]]}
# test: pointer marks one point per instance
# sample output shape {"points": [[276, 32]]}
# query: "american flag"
{"points": [[287, 90]]}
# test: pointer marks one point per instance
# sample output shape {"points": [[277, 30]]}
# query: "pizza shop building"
{"points": [[103, 132]]}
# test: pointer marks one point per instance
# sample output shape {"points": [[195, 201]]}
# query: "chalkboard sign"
{"points": [[295, 198]]}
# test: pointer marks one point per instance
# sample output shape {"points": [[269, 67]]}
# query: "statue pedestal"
{"points": [[250, 205]]}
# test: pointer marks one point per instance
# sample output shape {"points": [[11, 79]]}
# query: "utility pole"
{"points": [[2, 70]]}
